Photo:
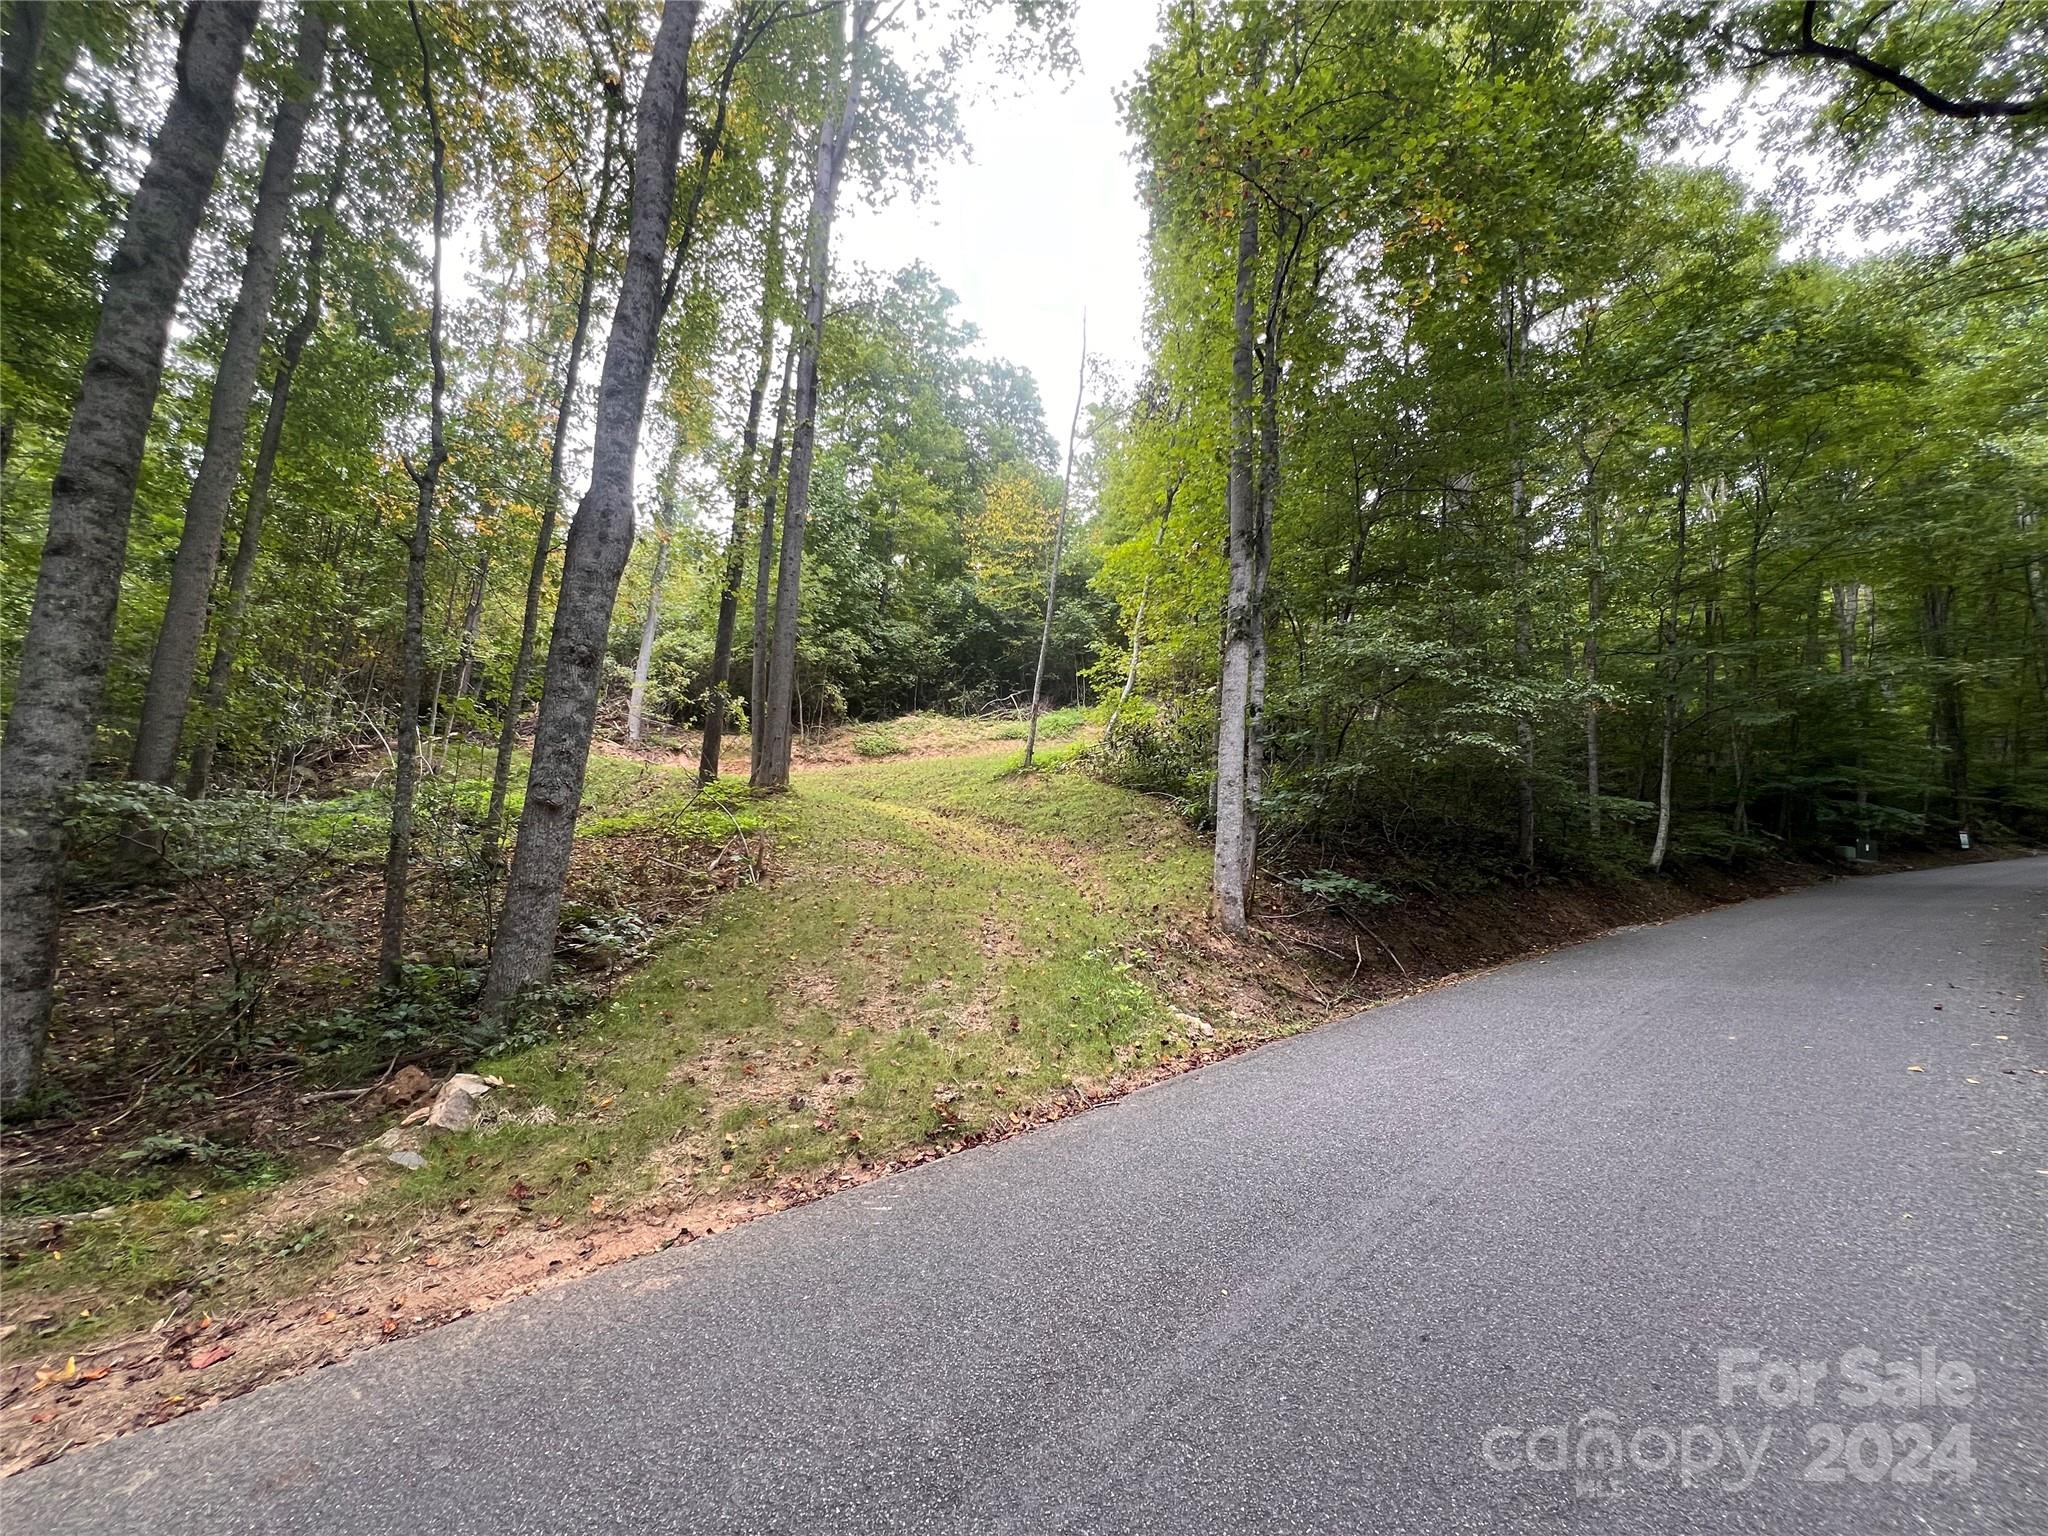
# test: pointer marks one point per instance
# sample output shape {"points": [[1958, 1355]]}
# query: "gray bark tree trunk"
{"points": [[719, 700], [1265, 495], [242, 568], [651, 625], [1847, 597], [834, 138], [600, 538], [405, 776], [1059, 548], [21, 46], [64, 651], [1595, 600], [1138, 619], [1517, 330], [764, 566], [544, 539], [1233, 695], [173, 667], [1668, 735]]}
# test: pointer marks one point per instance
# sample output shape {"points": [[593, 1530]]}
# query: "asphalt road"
{"points": [[1388, 1276]]}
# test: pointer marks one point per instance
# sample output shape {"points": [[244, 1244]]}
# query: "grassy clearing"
{"points": [[942, 942], [945, 942]]}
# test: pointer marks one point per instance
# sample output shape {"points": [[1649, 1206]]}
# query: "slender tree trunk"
{"points": [[64, 650], [1846, 598], [1059, 547], [718, 703], [472, 620], [544, 538], [1946, 720], [249, 543], [651, 625], [1596, 597], [405, 777], [1670, 666], [1741, 746], [1233, 693], [172, 668], [1138, 619], [764, 566], [834, 139], [600, 538], [1525, 728], [1515, 337], [465, 661]]}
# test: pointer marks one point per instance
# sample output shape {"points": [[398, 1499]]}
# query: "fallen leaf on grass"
{"points": [[44, 1417], [206, 1357], [329, 1315], [390, 1326]]}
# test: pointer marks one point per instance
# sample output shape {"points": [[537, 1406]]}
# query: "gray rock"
{"points": [[455, 1108], [408, 1159]]}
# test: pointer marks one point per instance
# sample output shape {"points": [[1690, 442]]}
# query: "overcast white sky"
{"points": [[1043, 220]]}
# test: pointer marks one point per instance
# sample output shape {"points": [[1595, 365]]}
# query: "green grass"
{"points": [[945, 942], [878, 743], [1053, 725]]}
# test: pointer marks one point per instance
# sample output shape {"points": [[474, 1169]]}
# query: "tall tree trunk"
{"points": [[1233, 694], [1059, 548], [1668, 737], [27, 26], [1266, 493], [764, 566], [1525, 727], [651, 625], [600, 538], [1138, 619], [465, 661], [718, 703], [173, 666], [834, 139], [1596, 596], [405, 777], [472, 621], [1515, 339], [249, 543], [1946, 719], [544, 538], [64, 650], [1846, 597]]}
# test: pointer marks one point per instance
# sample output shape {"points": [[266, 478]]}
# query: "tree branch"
{"points": [[1810, 47]]}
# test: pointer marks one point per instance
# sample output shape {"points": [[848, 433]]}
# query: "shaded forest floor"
{"points": [[923, 948]]}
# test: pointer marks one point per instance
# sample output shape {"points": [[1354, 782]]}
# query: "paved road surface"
{"points": [[1341, 1284]]}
